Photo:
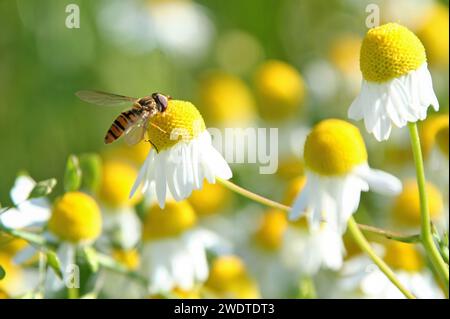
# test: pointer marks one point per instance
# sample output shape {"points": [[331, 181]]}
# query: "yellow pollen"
{"points": [[271, 230], [406, 208], [280, 89], [228, 278], [180, 122], [212, 198], [428, 130], [390, 51], [225, 100], [442, 140], [129, 258], [403, 256], [117, 179], [334, 147], [76, 218], [171, 221]]}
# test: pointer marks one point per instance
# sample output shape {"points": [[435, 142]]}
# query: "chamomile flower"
{"points": [[229, 279], [337, 171], [397, 86], [280, 89], [120, 221], [75, 221], [216, 91], [33, 212], [174, 248], [182, 155]]}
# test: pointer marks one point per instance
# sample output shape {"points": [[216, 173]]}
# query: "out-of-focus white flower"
{"points": [[33, 212], [182, 28], [174, 249]]}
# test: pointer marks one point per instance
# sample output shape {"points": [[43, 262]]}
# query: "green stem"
{"points": [[365, 246], [425, 233], [250, 195]]}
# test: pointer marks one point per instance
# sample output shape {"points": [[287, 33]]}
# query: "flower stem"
{"points": [[270, 203], [250, 195], [365, 246], [425, 232]]}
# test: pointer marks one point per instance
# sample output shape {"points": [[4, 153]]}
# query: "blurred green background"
{"points": [[138, 47]]}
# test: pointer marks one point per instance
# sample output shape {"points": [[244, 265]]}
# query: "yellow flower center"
{"points": [[293, 190], [129, 258], [390, 51], [280, 90], [429, 129], [434, 34], [442, 140], [117, 179], [226, 100], [3, 294], [13, 273], [134, 154], [334, 147], [210, 199], [290, 166], [406, 208], [171, 221], [229, 279], [344, 53], [75, 218], [180, 122], [271, 231], [403, 256]]}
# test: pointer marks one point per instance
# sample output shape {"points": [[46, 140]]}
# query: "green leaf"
{"points": [[72, 176], [54, 263], [2, 273], [43, 188], [90, 255], [91, 168]]}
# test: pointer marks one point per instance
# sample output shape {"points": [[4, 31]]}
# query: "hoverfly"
{"points": [[133, 122]]}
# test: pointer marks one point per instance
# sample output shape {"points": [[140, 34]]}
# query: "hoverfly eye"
{"points": [[161, 101]]}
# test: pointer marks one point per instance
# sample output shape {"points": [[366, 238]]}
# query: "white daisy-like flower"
{"points": [[174, 249], [337, 171], [75, 221], [29, 212], [182, 155], [310, 250], [397, 86]]}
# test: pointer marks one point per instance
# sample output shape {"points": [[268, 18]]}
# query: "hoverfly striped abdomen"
{"points": [[121, 123]]}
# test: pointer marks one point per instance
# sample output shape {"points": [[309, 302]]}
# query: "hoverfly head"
{"points": [[161, 101]]}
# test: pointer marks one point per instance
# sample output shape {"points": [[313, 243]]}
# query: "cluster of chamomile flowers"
{"points": [[150, 219]]}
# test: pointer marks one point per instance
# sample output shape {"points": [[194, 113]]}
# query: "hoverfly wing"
{"points": [[136, 131], [103, 98]]}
